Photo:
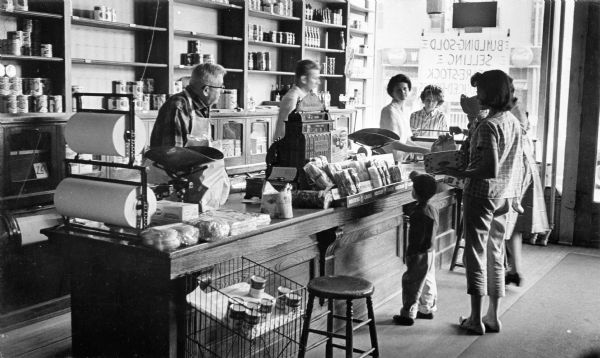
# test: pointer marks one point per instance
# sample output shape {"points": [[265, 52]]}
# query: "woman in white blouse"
{"points": [[395, 118]]}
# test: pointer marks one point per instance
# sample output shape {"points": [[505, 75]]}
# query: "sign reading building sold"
{"points": [[449, 60]]}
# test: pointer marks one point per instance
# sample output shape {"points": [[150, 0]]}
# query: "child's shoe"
{"points": [[403, 321], [425, 315]]}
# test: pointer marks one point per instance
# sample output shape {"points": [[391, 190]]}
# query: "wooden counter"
{"points": [[130, 300]]}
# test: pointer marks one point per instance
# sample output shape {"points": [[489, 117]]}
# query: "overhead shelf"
{"points": [[230, 70], [360, 32], [84, 21], [206, 36], [34, 14], [323, 24], [268, 15], [31, 58], [320, 49], [272, 44], [209, 4], [85, 61], [278, 73], [358, 8]]}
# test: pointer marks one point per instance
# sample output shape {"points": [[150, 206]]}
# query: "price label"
{"points": [[41, 170], [132, 25]]}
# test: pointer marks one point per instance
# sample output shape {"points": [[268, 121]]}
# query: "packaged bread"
{"points": [[345, 184], [375, 177], [395, 174], [164, 239], [317, 176], [317, 162], [211, 229], [355, 179], [324, 160], [332, 168], [362, 172], [187, 234]]}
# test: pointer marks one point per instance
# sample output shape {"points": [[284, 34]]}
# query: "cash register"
{"points": [[309, 132]]}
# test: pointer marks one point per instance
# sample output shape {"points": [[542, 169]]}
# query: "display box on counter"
{"points": [[168, 212], [437, 161], [362, 198]]}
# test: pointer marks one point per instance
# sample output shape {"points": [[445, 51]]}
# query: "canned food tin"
{"points": [[139, 89], [184, 59], [55, 104], [14, 47], [6, 5], [207, 58], [11, 70], [2, 70], [4, 86], [21, 5], [11, 103], [108, 15], [178, 86], [99, 12], [148, 85], [46, 50], [119, 87], [229, 99], [41, 104], [35, 86], [146, 103], [195, 58], [25, 25], [15, 85], [193, 46], [138, 104], [22, 103], [123, 103], [267, 58], [158, 100], [46, 86], [260, 61]]}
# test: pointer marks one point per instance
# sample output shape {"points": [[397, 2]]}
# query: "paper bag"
{"points": [[278, 204], [209, 187]]}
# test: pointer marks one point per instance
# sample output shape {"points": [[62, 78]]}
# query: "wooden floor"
{"points": [[436, 338]]}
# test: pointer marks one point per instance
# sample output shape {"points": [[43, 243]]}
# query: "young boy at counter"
{"points": [[419, 290], [306, 79], [429, 121]]}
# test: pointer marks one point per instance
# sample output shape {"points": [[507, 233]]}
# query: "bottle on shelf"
{"points": [[342, 41], [273, 92]]}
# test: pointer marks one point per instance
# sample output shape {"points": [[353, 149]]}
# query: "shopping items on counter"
{"points": [[278, 204]]}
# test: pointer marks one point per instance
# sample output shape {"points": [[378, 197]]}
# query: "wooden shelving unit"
{"points": [[268, 15], [76, 20], [85, 61], [324, 25], [205, 36], [209, 4], [272, 44]]}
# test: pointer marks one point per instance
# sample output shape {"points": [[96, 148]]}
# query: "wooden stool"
{"points": [[339, 288]]}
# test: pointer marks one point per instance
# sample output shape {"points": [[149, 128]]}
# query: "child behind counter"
{"points": [[429, 121], [419, 290]]}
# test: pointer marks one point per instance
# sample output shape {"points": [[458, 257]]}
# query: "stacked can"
{"points": [[46, 50], [33, 86], [4, 86], [330, 65], [15, 41], [21, 5], [208, 58], [158, 100], [193, 56], [38, 104], [15, 85], [6, 5], [75, 89], [55, 104], [22, 103]]}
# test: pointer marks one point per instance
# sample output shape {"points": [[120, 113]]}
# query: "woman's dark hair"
{"points": [[433, 91], [398, 79], [497, 89], [303, 66]]}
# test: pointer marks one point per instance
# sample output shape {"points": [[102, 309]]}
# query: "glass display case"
{"points": [[231, 140], [259, 139], [31, 159]]}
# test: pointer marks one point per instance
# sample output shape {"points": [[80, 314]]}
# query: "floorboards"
{"points": [[439, 337]]}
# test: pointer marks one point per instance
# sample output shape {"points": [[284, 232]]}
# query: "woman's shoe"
{"points": [[512, 278], [491, 326], [532, 239], [466, 324]]}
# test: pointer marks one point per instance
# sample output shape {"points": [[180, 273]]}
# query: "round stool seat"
{"points": [[340, 287]]}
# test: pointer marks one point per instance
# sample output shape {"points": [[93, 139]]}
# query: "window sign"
{"points": [[449, 60]]}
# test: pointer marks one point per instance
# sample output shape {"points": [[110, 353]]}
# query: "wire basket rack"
{"points": [[239, 308]]}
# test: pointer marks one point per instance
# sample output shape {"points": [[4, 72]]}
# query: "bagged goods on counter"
{"points": [[376, 181], [278, 204], [317, 176], [164, 239], [170, 212], [312, 199], [239, 222], [212, 229], [187, 234]]}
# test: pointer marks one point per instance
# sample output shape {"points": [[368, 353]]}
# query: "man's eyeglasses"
{"points": [[220, 87]]}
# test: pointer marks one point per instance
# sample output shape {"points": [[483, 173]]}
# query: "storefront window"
{"points": [[431, 49]]}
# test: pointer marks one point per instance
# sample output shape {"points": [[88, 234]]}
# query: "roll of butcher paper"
{"points": [[105, 202], [102, 133]]}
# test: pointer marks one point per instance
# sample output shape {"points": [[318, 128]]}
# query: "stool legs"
{"points": [[306, 326], [372, 330], [329, 344], [349, 332]]}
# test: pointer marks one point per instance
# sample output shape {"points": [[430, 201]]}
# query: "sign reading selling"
{"points": [[449, 61]]}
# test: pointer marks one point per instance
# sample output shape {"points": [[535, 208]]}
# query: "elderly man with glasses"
{"points": [[183, 119]]}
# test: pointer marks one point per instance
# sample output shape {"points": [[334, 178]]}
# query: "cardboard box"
{"points": [[435, 162], [168, 212]]}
